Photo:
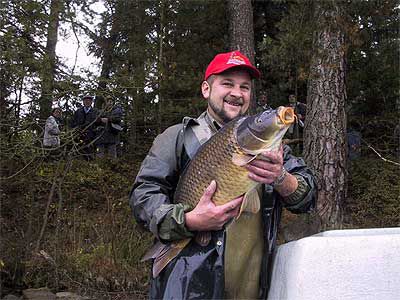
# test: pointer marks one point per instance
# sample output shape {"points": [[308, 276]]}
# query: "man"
{"points": [[84, 121], [295, 131], [109, 130], [262, 102], [212, 272], [52, 130], [299, 108]]}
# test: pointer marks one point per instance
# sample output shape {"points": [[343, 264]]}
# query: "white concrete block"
{"points": [[339, 264]]}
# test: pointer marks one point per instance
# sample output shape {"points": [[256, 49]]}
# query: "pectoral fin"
{"points": [[251, 202], [164, 253], [242, 159]]}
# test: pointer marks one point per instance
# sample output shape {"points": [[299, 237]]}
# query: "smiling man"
{"points": [[227, 86], [217, 270]]}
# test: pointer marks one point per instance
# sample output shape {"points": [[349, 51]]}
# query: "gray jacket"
{"points": [[199, 272], [51, 133]]}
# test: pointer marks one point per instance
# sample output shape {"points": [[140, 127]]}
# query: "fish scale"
{"points": [[214, 162]]}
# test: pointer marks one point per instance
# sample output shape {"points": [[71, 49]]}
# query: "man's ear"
{"points": [[205, 89]]}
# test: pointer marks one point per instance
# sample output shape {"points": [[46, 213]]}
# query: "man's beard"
{"points": [[221, 113]]}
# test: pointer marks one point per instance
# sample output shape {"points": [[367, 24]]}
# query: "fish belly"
{"points": [[243, 257]]}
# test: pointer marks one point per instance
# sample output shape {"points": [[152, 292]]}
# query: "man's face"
{"points": [[87, 102], [263, 99], [229, 95], [57, 113]]}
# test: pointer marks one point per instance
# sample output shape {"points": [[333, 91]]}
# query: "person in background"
{"points": [[52, 129], [295, 131], [354, 139], [300, 109], [262, 102], [84, 121], [108, 130], [199, 271]]}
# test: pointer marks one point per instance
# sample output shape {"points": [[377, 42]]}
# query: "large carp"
{"points": [[222, 158]]}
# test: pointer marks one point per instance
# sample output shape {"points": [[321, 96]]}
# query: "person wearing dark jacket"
{"points": [[218, 270], [108, 131], [85, 121]]}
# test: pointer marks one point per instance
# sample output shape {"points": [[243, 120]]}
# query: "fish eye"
{"points": [[259, 120]]}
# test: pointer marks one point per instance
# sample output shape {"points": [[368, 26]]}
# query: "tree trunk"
{"points": [[108, 44], [325, 125], [137, 59], [241, 31], [160, 64], [49, 61]]}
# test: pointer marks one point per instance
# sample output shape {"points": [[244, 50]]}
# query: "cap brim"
{"points": [[254, 72]]}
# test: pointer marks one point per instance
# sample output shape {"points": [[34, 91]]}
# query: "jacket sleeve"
{"points": [[116, 115], [304, 198], [152, 193]]}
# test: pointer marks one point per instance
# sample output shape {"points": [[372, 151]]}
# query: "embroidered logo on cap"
{"points": [[235, 60]]}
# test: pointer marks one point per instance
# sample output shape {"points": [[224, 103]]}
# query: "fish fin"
{"points": [[251, 202], [154, 251], [167, 254], [203, 238], [242, 159]]}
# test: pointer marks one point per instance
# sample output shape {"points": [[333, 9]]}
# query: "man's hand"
{"points": [[267, 169], [104, 120], [207, 216]]}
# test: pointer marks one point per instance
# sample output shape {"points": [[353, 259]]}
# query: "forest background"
{"points": [[66, 224]]}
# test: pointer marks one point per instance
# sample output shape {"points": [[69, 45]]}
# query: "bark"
{"points": [[108, 44], [137, 60], [160, 64], [241, 31], [325, 125], [49, 61]]}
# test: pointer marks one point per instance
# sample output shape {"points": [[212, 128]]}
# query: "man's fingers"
{"points": [[209, 192], [232, 205], [274, 156]]}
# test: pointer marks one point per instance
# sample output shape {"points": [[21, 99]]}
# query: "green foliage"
{"points": [[373, 81], [286, 56], [372, 54]]}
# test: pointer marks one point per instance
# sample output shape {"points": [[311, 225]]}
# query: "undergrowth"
{"points": [[84, 238]]}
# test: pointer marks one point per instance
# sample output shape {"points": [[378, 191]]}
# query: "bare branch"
{"points": [[380, 156]]}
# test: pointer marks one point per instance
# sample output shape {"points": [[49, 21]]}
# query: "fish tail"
{"points": [[163, 254]]}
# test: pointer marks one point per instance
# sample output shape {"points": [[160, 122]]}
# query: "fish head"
{"points": [[264, 131]]}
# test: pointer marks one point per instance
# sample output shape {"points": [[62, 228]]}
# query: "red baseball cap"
{"points": [[225, 61]]}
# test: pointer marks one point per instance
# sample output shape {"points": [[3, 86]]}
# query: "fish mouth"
{"points": [[286, 115]]}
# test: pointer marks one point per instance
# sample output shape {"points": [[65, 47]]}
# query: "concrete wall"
{"points": [[339, 264]]}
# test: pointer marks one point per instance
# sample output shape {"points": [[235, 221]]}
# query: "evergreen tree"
{"points": [[325, 125], [49, 59]]}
